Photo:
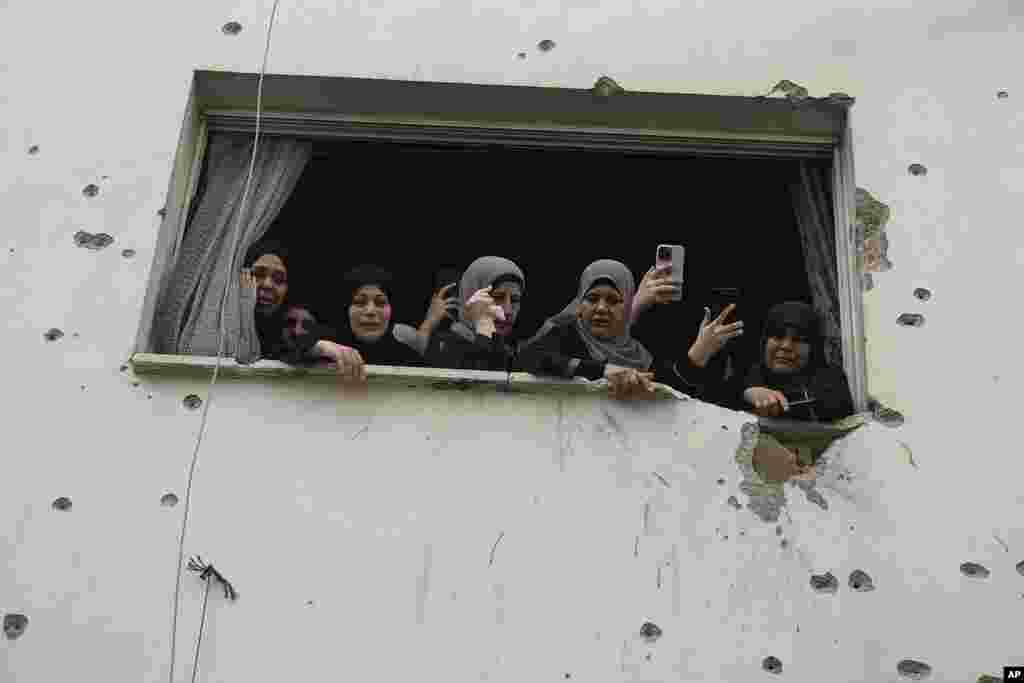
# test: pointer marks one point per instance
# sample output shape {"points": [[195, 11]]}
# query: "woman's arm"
{"points": [[556, 354]]}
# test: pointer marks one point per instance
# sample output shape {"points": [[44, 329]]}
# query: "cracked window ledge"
{"points": [[377, 375]]}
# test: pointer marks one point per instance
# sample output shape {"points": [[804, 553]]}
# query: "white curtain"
{"points": [[188, 313], [813, 207]]}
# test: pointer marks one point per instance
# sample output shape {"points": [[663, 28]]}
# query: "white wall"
{"points": [[101, 87]]}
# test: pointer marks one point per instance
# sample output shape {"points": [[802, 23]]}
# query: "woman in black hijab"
{"points": [[368, 327], [792, 377]]}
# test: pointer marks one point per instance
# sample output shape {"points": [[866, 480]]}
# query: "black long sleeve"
{"points": [[449, 350], [561, 353]]}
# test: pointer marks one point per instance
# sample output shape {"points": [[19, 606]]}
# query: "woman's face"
{"points": [[508, 295], [603, 310], [786, 351], [369, 313], [271, 282]]}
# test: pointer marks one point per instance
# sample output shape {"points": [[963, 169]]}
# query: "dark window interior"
{"points": [[417, 210]]}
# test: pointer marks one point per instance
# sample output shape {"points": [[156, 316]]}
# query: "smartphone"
{"points": [[446, 276], [671, 256]]}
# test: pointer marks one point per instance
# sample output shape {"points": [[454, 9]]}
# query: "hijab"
{"points": [[802, 318], [387, 350], [623, 350], [269, 325], [484, 272]]}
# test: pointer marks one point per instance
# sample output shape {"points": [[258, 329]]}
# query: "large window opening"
{"points": [[758, 191], [421, 210]]}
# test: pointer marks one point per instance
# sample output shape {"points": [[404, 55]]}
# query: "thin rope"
{"points": [[220, 345], [202, 623]]}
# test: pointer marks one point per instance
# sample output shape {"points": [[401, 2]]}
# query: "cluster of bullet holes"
{"points": [[87, 240], [192, 402], [910, 320], [915, 671], [232, 28], [974, 570], [15, 625], [772, 665], [91, 190], [63, 504], [917, 169], [650, 632], [52, 334], [168, 500]]}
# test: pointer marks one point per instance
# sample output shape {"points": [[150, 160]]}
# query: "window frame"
{"points": [[516, 117]]}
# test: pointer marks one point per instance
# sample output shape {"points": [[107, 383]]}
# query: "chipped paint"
{"points": [[871, 218]]}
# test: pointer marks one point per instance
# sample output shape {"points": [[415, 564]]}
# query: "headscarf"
{"points": [[623, 350], [802, 318], [269, 325], [484, 272], [387, 350]]}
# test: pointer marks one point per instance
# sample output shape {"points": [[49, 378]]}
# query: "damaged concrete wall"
{"points": [[334, 574]]}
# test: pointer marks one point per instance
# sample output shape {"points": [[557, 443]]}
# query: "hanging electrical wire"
{"points": [[233, 241]]}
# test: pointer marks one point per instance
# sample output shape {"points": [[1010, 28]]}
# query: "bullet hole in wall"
{"points": [[128, 253], [824, 583], [911, 320], [772, 665], [546, 45], [52, 334], [917, 170], [162, 213], [860, 581], [974, 570], [606, 86], [650, 632], [521, 55], [192, 402], [232, 28], [914, 670], [778, 530], [1020, 567], [784, 543], [734, 502], [135, 384], [34, 149], [721, 482], [1002, 94], [63, 504], [91, 190], [923, 294], [15, 625], [168, 500], [87, 240]]}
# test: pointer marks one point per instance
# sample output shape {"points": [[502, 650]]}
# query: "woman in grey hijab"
{"points": [[591, 337], [482, 337]]}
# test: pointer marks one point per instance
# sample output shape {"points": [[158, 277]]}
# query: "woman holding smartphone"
{"points": [[591, 338]]}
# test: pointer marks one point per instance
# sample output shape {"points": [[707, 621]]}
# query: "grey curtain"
{"points": [[188, 313], [813, 207]]}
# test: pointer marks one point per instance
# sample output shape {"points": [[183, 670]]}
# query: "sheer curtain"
{"points": [[188, 313], [813, 207]]}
